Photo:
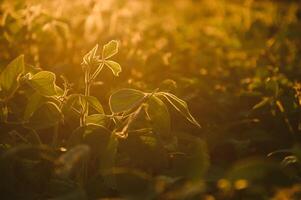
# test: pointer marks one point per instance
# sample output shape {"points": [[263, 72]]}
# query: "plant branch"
{"points": [[97, 71]]}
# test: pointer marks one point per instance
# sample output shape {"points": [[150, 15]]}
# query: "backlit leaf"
{"points": [[91, 59], [44, 83], [97, 119], [114, 66], [94, 103], [110, 49], [125, 99], [34, 101], [10, 74], [180, 105]]}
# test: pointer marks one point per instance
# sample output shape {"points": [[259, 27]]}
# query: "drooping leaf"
{"points": [[82, 99], [180, 105], [34, 101], [10, 74], [47, 115], [110, 49], [96, 119], [125, 99], [114, 66], [159, 116], [94, 103], [44, 83]]}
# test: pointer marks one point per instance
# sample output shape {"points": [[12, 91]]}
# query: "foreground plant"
{"points": [[93, 147]]}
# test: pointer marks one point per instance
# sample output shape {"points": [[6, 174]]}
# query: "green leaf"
{"points": [[180, 105], [110, 49], [46, 116], [159, 116], [74, 103], [90, 59], [114, 66], [34, 101], [94, 103], [10, 74], [91, 54], [97, 119], [125, 99], [70, 102], [44, 83]]}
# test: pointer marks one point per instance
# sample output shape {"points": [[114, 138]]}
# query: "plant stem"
{"points": [[56, 127], [88, 82], [85, 111], [95, 74], [124, 132]]}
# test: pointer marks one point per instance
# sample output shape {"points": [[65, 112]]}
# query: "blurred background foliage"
{"points": [[236, 63]]}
